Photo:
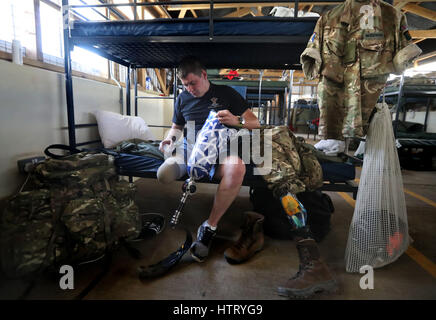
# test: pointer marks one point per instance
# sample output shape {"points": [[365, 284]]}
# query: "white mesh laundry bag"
{"points": [[378, 233]]}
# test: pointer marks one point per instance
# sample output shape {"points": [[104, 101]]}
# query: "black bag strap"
{"points": [[71, 150]]}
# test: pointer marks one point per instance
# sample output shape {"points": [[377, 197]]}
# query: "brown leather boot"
{"points": [[313, 276], [250, 241]]}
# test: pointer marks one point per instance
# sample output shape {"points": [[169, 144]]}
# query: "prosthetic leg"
{"points": [[166, 264], [313, 275]]}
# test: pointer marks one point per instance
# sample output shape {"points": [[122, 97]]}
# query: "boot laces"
{"points": [[306, 263], [245, 239], [302, 268]]}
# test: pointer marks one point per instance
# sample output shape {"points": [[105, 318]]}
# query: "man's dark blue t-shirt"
{"points": [[189, 108]]}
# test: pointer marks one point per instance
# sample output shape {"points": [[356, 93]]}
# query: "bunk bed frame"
{"points": [[260, 92], [409, 145], [134, 51]]}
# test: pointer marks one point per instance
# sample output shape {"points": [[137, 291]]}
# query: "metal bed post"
{"points": [[274, 112], [175, 85], [285, 116], [296, 9], [400, 93], [68, 76], [211, 20], [291, 80], [427, 110], [282, 108], [260, 93], [128, 111], [135, 77]]}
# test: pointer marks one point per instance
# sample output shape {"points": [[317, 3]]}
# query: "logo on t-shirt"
{"points": [[215, 104]]}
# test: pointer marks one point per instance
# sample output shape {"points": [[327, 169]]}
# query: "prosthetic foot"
{"points": [[313, 275]]}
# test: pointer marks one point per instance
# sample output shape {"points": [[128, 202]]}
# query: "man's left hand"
{"points": [[227, 118]]}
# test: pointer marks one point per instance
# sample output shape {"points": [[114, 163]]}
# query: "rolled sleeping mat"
{"points": [[211, 141]]}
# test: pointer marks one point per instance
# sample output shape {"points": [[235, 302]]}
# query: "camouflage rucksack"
{"points": [[73, 210]]}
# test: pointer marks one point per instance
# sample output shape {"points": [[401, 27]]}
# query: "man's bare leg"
{"points": [[231, 173]]}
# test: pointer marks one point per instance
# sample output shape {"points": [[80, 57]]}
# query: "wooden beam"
{"points": [[182, 13], [238, 13], [267, 72], [420, 11], [416, 34], [243, 5], [426, 56], [133, 9], [256, 12], [161, 81], [418, 40], [51, 67], [163, 13], [194, 13]]}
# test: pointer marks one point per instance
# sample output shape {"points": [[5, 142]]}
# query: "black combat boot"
{"points": [[313, 275], [250, 241]]}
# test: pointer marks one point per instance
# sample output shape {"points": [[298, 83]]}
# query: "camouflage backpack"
{"points": [[73, 210]]}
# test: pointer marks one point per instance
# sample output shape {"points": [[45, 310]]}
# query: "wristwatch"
{"points": [[241, 121]]}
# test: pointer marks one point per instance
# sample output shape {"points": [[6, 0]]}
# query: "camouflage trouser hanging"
{"points": [[294, 169]]}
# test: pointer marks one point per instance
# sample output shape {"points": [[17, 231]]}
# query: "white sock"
{"points": [[206, 223]]}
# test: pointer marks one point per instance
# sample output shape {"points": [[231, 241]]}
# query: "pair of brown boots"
{"points": [[313, 275]]}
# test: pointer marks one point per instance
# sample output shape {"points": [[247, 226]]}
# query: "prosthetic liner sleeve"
{"points": [[211, 141]]}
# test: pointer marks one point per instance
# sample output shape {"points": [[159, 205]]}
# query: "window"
{"points": [[51, 30], [17, 21], [89, 62], [125, 10], [88, 13]]}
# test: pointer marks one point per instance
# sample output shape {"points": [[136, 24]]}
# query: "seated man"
{"points": [[193, 105]]}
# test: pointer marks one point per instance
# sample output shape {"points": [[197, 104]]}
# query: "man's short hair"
{"points": [[189, 65]]}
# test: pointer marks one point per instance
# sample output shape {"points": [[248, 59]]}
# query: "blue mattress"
{"points": [[255, 43], [194, 27], [146, 167], [254, 96]]}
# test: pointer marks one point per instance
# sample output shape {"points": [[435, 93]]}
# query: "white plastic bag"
{"points": [[379, 230]]}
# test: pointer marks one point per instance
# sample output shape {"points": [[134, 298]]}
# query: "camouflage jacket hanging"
{"points": [[353, 49]]}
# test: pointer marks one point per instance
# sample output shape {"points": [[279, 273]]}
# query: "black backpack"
{"points": [[319, 208]]}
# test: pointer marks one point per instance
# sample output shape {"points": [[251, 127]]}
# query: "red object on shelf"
{"points": [[232, 74]]}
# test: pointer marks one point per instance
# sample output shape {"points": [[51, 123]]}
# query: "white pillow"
{"points": [[115, 128]]}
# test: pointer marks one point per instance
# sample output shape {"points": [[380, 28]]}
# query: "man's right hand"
{"points": [[164, 143]]}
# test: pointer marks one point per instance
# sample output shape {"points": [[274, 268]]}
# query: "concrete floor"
{"points": [[215, 279]]}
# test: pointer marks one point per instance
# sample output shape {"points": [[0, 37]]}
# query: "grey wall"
{"points": [[33, 114]]}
